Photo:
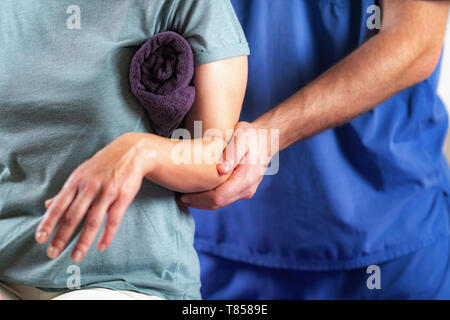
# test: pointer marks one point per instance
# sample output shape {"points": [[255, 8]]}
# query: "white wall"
{"points": [[444, 85]]}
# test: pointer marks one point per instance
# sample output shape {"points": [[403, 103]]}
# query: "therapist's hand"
{"points": [[105, 184], [249, 157]]}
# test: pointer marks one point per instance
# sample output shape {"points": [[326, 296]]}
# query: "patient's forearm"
{"points": [[183, 166]]}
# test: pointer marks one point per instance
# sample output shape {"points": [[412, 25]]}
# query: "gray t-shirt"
{"points": [[64, 95]]}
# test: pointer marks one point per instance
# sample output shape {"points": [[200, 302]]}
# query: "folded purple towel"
{"points": [[160, 76]]}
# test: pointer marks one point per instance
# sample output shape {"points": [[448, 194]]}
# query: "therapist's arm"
{"points": [[110, 180], [404, 52]]}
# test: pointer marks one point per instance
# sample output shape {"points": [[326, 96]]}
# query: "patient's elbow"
{"points": [[426, 63], [206, 182]]}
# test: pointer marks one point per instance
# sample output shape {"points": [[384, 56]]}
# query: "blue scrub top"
{"points": [[364, 193]]}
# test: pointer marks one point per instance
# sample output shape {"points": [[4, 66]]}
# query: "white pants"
{"points": [[11, 291]]}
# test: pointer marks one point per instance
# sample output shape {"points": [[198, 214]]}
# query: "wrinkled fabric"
{"points": [[423, 274], [160, 77]]}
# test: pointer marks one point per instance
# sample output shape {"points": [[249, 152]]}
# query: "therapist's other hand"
{"points": [[247, 158], [106, 184]]}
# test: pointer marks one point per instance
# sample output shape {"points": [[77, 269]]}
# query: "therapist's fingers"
{"points": [[231, 156], [217, 198], [214, 199], [242, 184], [92, 225], [53, 214], [72, 218], [201, 200]]}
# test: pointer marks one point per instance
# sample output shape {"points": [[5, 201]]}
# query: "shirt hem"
{"points": [[125, 287], [282, 262], [216, 54]]}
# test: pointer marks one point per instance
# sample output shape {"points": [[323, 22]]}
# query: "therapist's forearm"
{"points": [[389, 62]]}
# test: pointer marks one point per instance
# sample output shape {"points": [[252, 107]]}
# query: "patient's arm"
{"points": [[220, 89], [109, 181]]}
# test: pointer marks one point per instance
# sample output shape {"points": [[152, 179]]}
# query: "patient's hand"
{"points": [[105, 184]]}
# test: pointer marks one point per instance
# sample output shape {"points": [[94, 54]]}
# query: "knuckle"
{"points": [[113, 224], [218, 201], [77, 174], [83, 245], [54, 209], [248, 195], [254, 182], [92, 224], [74, 178], [124, 193], [92, 184], [248, 184], [58, 241], [46, 225], [70, 220], [110, 192]]}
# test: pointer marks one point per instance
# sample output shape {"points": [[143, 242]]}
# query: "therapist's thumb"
{"points": [[231, 157], [236, 149], [225, 168]]}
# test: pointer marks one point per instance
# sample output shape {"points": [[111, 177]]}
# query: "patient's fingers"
{"points": [[92, 225], [57, 208], [115, 214], [49, 202], [72, 218]]}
